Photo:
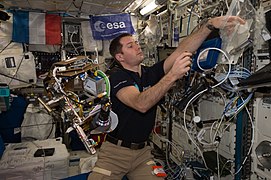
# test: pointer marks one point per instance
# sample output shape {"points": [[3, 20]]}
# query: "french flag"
{"points": [[36, 28]]}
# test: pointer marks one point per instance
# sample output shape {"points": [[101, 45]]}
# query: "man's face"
{"points": [[131, 51]]}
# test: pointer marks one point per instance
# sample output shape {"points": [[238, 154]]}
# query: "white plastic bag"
{"points": [[17, 68], [37, 124]]}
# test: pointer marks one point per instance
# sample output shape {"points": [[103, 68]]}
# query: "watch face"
{"points": [[211, 27]]}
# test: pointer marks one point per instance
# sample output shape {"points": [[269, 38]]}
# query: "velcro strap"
{"points": [[101, 171], [150, 162]]}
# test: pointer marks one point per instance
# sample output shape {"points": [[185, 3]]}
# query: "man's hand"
{"points": [[226, 22], [181, 65]]}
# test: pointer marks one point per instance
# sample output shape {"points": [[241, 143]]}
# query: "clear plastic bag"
{"points": [[236, 40]]}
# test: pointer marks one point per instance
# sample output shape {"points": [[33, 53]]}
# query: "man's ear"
{"points": [[119, 57]]}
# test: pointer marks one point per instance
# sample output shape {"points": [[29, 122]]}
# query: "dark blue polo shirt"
{"points": [[133, 125]]}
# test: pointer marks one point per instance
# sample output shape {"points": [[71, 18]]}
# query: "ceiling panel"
{"points": [[82, 7]]}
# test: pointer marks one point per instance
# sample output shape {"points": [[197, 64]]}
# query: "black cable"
{"points": [[32, 125], [72, 3], [5, 47], [80, 8], [183, 36], [75, 4], [15, 78], [52, 127]]}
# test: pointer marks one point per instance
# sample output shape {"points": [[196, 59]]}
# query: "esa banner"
{"points": [[107, 27]]}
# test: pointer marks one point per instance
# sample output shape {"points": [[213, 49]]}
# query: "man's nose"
{"points": [[138, 46]]}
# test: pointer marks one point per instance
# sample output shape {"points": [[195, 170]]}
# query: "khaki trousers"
{"points": [[115, 161]]}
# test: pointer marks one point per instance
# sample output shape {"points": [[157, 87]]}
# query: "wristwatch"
{"points": [[210, 26]]}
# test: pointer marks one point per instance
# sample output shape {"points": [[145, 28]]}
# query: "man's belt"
{"points": [[126, 144]]}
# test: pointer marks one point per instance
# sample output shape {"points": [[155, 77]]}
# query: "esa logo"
{"points": [[100, 26]]}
